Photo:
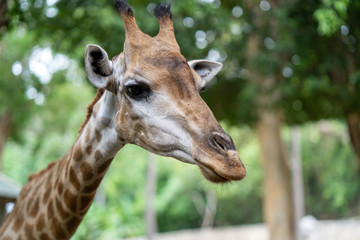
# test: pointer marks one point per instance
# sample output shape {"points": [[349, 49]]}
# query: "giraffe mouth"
{"points": [[222, 170], [212, 175]]}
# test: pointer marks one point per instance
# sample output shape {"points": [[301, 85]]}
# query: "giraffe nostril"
{"points": [[221, 146], [223, 142]]}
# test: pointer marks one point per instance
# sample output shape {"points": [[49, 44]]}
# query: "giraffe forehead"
{"points": [[159, 63], [155, 54], [167, 60], [157, 41], [151, 47], [171, 73]]}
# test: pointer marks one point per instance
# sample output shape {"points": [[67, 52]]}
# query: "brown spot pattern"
{"points": [[74, 180], [67, 166], [18, 223], [49, 183], [87, 133], [60, 188], [93, 186], [98, 155], [40, 223], [28, 230], [85, 202], [44, 236], [62, 212], [88, 149], [72, 224], [50, 211], [46, 197], [56, 182], [103, 167], [86, 171], [70, 200], [98, 135], [77, 156], [35, 209], [57, 230]]}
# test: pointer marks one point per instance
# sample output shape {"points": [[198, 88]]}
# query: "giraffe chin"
{"points": [[207, 171], [220, 170], [212, 176]]}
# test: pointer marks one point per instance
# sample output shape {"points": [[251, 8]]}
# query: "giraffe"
{"points": [[148, 95]]}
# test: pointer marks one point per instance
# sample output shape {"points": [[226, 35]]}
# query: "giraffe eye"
{"points": [[138, 91]]}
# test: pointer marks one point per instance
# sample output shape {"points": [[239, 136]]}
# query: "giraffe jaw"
{"points": [[216, 169], [223, 168], [212, 176], [208, 172]]}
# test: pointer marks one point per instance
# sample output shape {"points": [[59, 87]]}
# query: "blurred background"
{"points": [[289, 95]]}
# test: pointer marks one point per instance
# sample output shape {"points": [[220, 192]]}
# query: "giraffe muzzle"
{"points": [[224, 164]]}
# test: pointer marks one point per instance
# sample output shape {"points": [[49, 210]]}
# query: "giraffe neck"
{"points": [[52, 204]]}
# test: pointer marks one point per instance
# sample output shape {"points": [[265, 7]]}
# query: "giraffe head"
{"points": [[158, 105]]}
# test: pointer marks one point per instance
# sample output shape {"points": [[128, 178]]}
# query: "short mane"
{"points": [[99, 94], [42, 172]]}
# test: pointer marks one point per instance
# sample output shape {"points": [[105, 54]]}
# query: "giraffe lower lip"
{"points": [[212, 175]]}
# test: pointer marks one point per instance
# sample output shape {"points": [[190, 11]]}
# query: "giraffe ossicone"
{"points": [[149, 96]]}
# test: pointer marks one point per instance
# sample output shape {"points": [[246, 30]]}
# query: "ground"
{"points": [[313, 229]]}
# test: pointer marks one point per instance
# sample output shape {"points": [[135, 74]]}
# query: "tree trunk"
{"points": [[206, 208], [210, 210], [278, 202], [150, 214], [353, 124], [5, 131], [3, 9], [297, 179]]}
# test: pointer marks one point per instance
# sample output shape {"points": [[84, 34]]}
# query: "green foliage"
{"points": [[330, 174], [317, 41], [308, 30], [15, 46], [329, 22], [124, 191], [331, 16], [324, 66], [120, 202], [331, 186], [56, 122]]}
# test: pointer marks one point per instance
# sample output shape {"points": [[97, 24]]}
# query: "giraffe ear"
{"points": [[206, 69], [97, 65]]}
